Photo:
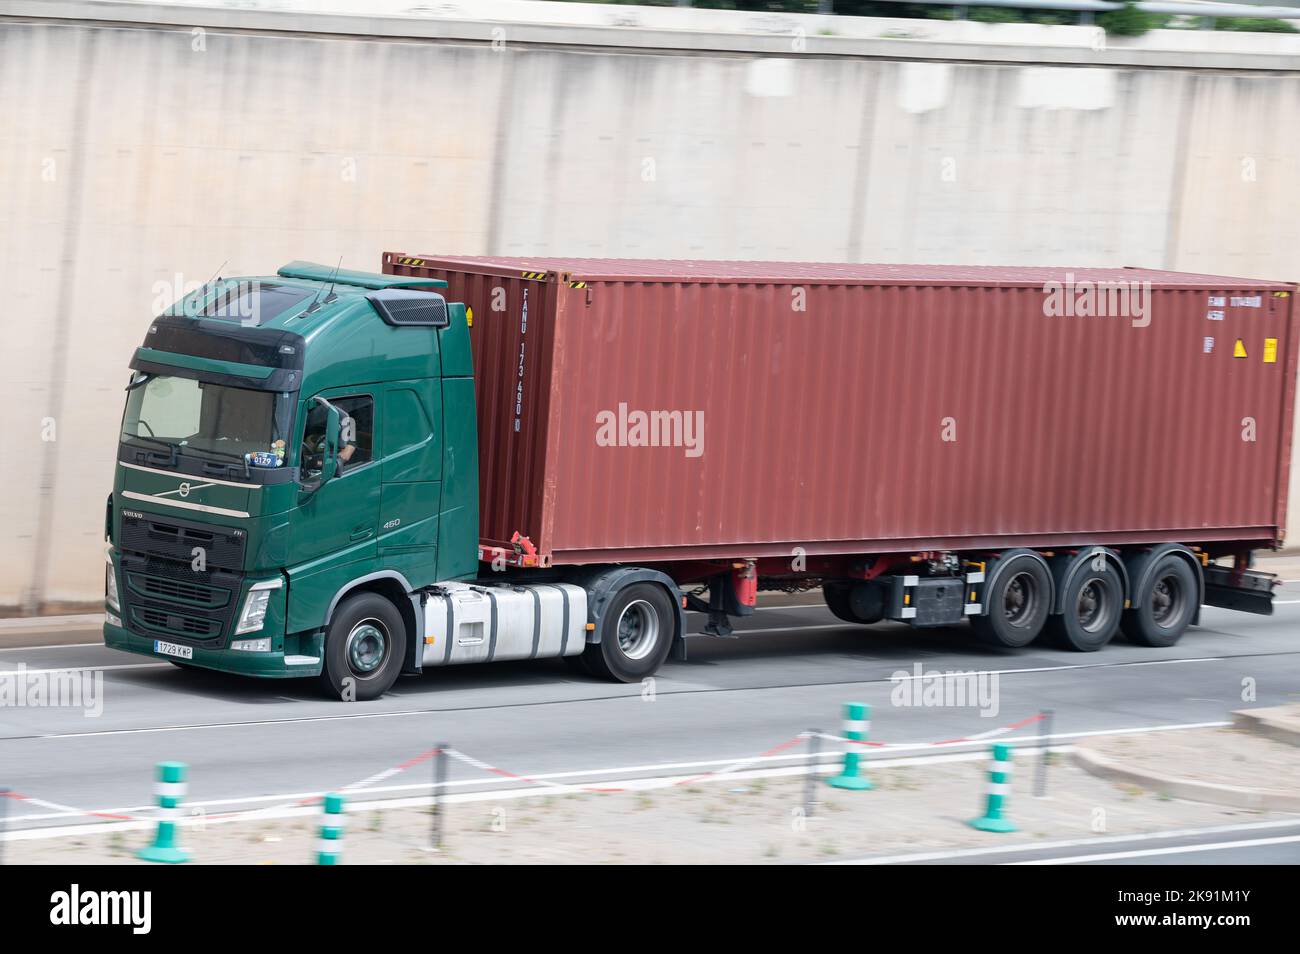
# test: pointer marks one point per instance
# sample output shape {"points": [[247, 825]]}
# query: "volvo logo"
{"points": [[184, 489]]}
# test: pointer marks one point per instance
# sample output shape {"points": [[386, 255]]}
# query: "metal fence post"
{"points": [[1040, 782], [439, 781], [810, 780]]}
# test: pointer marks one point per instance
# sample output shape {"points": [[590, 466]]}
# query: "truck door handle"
{"points": [[361, 533]]}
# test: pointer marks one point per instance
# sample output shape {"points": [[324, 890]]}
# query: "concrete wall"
{"points": [[133, 153]]}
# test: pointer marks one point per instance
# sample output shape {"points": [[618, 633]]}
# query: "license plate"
{"points": [[171, 649]]}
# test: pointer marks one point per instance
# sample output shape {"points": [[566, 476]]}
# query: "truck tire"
{"points": [[840, 601], [1091, 603], [1163, 609], [636, 633], [1017, 604], [364, 648]]}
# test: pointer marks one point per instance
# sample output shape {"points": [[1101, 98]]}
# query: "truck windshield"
{"points": [[194, 418]]}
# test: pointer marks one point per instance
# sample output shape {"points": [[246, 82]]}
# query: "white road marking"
{"points": [[36, 649], [32, 672], [1068, 843], [1151, 852]]}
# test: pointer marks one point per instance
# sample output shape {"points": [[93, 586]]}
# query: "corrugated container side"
{"points": [[850, 417]]}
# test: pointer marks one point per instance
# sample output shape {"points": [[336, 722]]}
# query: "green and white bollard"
{"points": [[332, 822], [999, 789], [170, 789], [857, 723]]}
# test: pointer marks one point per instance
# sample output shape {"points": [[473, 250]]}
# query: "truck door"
{"points": [[411, 496]]}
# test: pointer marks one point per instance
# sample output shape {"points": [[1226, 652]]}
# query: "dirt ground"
{"points": [[753, 821]]}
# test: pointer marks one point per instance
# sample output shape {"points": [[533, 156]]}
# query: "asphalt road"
{"points": [[250, 743]]}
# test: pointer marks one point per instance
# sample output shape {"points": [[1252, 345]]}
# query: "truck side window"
{"points": [[356, 433]]}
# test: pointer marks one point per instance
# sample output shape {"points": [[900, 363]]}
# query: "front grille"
{"points": [[175, 624], [164, 596], [169, 589], [176, 540]]}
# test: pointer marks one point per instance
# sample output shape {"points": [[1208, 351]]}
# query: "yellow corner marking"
{"points": [[469, 316], [1239, 349], [1270, 351]]}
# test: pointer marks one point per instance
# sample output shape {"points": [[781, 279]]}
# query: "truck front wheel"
{"points": [[636, 634], [364, 648]]}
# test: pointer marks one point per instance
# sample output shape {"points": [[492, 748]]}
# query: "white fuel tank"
{"points": [[469, 622]]}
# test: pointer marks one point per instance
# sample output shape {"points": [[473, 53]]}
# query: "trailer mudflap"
{"points": [[1248, 591]]}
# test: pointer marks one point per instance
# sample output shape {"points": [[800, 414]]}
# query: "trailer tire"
{"points": [[1018, 604], [364, 648], [1162, 611], [1092, 602], [636, 634]]}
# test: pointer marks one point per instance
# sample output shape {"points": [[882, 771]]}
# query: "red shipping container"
{"points": [[848, 409]]}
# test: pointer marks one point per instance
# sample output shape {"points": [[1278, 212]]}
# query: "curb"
{"points": [[1232, 796], [1267, 724], [36, 624]]}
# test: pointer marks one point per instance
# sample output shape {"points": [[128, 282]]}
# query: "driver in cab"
{"points": [[313, 440]]}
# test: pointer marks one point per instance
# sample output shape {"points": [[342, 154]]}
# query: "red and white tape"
{"points": [[978, 737], [491, 769]]}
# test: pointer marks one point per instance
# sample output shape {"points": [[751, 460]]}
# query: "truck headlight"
{"points": [[255, 604], [110, 587]]}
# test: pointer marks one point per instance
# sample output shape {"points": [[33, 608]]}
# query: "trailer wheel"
{"points": [[636, 633], [364, 648], [1091, 605], [1018, 604], [1162, 611]]}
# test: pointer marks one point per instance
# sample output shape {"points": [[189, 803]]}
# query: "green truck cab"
{"points": [[292, 443]]}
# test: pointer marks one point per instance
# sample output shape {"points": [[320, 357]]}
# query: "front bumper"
{"points": [[271, 665], [290, 656]]}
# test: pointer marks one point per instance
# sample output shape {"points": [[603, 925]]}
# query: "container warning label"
{"points": [[1239, 349], [1207, 345], [1270, 351]]}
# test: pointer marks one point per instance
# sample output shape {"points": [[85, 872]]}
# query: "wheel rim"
{"points": [[1020, 599], [638, 629], [367, 646], [1093, 606], [1167, 598]]}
